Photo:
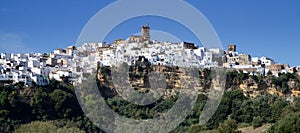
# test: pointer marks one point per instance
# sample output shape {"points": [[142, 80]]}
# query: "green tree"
{"points": [[228, 126], [70, 130], [37, 127], [257, 122], [65, 104], [46, 127], [196, 129], [297, 105], [277, 108], [288, 124], [40, 104], [6, 123]]}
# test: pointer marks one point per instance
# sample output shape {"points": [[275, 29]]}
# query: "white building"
{"points": [[266, 61]]}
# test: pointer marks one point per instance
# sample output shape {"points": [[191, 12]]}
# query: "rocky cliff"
{"points": [[199, 81]]}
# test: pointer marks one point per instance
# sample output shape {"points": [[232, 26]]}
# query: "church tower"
{"points": [[146, 32]]}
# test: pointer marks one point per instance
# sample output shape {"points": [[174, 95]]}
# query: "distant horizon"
{"points": [[258, 28]]}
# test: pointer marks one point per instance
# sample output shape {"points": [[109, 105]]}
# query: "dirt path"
{"points": [[256, 130]]}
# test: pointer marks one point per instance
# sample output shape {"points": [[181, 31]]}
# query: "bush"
{"points": [[228, 126], [257, 122], [37, 127], [288, 124], [196, 128], [46, 127]]}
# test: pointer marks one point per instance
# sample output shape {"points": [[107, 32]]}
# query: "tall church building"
{"points": [[146, 32]]}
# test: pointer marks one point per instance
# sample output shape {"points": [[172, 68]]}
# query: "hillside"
{"points": [[286, 85], [248, 101]]}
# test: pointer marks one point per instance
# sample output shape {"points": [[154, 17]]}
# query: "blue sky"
{"points": [[258, 27]]}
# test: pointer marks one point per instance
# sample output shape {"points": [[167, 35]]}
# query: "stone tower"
{"points": [[146, 32], [232, 48]]}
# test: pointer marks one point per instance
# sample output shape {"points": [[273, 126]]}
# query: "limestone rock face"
{"points": [[138, 77], [197, 80]]}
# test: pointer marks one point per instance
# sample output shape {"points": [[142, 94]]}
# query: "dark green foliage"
{"points": [[40, 104], [282, 81], [297, 105], [9, 106], [255, 78], [47, 127], [228, 126], [196, 129], [6, 122], [235, 78], [20, 105], [65, 104], [35, 127], [230, 104], [257, 122], [257, 111], [57, 105], [288, 124], [131, 110]]}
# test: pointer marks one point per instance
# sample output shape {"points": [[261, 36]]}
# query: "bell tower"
{"points": [[146, 32], [232, 48]]}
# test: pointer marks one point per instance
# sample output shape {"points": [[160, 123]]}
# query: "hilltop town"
{"points": [[259, 92], [73, 63]]}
